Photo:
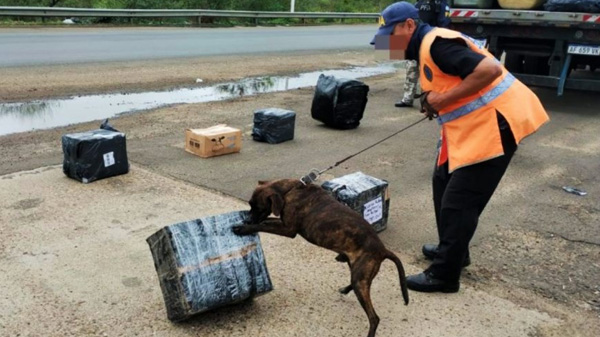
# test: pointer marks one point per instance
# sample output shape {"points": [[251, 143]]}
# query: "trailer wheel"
{"points": [[513, 62]]}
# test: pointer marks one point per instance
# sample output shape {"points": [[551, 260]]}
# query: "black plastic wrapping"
{"points": [[365, 194], [94, 155], [339, 103], [106, 126], [583, 6], [273, 125], [202, 265]]}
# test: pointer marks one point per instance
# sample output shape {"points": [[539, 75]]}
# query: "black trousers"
{"points": [[459, 198]]}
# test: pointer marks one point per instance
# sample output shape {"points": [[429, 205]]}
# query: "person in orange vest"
{"points": [[484, 112]]}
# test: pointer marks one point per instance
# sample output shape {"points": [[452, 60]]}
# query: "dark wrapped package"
{"points": [[580, 6], [202, 265], [273, 125], [367, 195], [339, 103], [94, 155]]}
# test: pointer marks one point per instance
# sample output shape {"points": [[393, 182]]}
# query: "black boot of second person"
{"points": [[402, 104], [431, 250]]}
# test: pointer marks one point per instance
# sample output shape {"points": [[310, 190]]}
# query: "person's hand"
{"points": [[436, 101], [426, 108]]}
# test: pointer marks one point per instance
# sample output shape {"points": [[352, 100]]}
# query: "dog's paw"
{"points": [[342, 258], [345, 290], [241, 230]]}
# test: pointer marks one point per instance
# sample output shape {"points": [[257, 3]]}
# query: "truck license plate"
{"points": [[584, 50]]}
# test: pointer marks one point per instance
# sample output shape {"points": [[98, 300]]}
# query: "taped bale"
{"points": [[473, 3], [366, 195], [581, 6], [339, 103], [520, 4], [94, 155], [273, 125], [202, 265]]}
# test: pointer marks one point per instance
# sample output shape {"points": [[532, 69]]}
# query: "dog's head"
{"points": [[269, 197]]}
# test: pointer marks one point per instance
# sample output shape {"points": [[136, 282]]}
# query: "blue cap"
{"points": [[393, 14]]}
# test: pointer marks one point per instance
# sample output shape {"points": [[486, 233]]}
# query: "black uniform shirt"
{"points": [[453, 57]]}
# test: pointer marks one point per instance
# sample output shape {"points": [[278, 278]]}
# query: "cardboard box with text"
{"points": [[214, 141]]}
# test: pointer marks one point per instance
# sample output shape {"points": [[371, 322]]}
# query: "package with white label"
{"points": [[202, 265], [94, 155], [367, 195]]}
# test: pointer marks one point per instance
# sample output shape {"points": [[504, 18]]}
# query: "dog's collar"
{"points": [[311, 177]]}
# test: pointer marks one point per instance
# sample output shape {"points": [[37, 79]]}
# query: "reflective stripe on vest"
{"points": [[485, 99]]}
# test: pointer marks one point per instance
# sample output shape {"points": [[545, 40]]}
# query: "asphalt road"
{"points": [[63, 46]]}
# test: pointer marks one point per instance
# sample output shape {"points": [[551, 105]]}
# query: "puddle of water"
{"points": [[27, 116]]}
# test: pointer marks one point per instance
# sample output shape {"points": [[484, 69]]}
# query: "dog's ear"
{"points": [[262, 182], [276, 203]]}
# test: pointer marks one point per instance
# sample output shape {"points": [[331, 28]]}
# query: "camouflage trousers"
{"points": [[411, 81]]}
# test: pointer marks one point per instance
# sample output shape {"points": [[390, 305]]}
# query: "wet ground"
{"points": [[44, 114], [535, 268]]}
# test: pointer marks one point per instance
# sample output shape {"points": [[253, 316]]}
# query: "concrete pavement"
{"points": [[75, 263], [535, 254]]}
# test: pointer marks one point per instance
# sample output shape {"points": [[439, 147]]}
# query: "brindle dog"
{"points": [[310, 211]]}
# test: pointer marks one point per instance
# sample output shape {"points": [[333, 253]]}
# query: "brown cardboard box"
{"points": [[214, 141]]}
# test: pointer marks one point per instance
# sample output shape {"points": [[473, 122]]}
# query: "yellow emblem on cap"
{"points": [[381, 21]]}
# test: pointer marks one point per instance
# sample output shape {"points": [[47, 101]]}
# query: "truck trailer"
{"points": [[540, 47]]}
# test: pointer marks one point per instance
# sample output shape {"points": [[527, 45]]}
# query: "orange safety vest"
{"points": [[470, 132]]}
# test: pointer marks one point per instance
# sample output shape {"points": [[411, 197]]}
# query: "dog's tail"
{"points": [[393, 257]]}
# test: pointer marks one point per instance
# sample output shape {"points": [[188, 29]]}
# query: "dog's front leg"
{"points": [[272, 222], [271, 225]]}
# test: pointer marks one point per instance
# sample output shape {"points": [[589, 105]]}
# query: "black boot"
{"points": [[427, 283], [431, 250], [401, 104]]}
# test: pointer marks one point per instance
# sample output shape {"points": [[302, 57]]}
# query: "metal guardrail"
{"points": [[159, 13]]}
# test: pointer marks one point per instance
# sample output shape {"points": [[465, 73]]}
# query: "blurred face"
{"points": [[393, 46], [401, 35]]}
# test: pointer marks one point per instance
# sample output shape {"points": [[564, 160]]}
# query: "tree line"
{"points": [[357, 6], [364, 6]]}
